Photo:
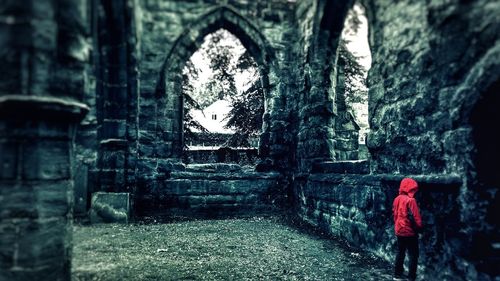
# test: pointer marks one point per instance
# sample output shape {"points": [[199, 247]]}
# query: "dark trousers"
{"points": [[410, 244]]}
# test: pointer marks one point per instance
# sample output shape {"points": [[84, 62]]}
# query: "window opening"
{"points": [[352, 93], [223, 102]]}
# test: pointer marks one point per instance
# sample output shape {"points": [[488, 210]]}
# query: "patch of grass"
{"points": [[259, 248]]}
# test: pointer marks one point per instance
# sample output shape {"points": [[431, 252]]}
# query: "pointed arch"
{"points": [[169, 99], [221, 17]]}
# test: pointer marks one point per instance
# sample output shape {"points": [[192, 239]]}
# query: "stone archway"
{"points": [[316, 139], [169, 115]]}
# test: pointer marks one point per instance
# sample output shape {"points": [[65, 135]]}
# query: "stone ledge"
{"points": [[213, 168], [342, 167], [224, 175], [435, 182], [113, 143], [446, 179], [21, 107]]}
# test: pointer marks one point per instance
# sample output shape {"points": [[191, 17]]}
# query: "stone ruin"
{"points": [[90, 103]]}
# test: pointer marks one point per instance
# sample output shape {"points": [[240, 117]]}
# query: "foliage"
{"points": [[248, 106], [355, 74], [353, 19], [190, 124], [221, 58], [245, 117]]}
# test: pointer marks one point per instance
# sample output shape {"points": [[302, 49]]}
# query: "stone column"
{"points": [[36, 186], [316, 132], [38, 116], [118, 96], [346, 128]]}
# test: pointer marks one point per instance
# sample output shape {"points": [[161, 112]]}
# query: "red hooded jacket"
{"points": [[403, 203]]}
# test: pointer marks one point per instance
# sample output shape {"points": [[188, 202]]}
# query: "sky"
{"points": [[358, 44]]}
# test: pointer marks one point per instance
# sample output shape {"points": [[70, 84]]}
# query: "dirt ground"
{"points": [[260, 248]]}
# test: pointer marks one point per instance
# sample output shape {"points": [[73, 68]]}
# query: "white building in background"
{"points": [[213, 117], [360, 113]]}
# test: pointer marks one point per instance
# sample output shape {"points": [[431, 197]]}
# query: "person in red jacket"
{"points": [[407, 225]]}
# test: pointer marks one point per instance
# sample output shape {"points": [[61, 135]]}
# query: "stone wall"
{"points": [[358, 209], [346, 128], [306, 18], [212, 190], [117, 94], [417, 98], [432, 62], [171, 32], [320, 28], [133, 135], [423, 90], [86, 141], [168, 33]]}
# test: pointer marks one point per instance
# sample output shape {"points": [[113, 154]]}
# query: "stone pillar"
{"points": [[118, 96], [36, 186], [346, 128], [38, 116], [316, 133]]}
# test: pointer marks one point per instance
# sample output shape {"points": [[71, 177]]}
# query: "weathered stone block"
{"points": [[146, 167], [199, 187], [179, 187], [8, 160], [117, 94], [50, 237], [112, 159], [343, 167], [168, 165], [110, 207], [347, 144], [146, 150], [37, 248], [116, 110], [220, 199], [47, 160], [112, 177], [196, 201], [375, 140], [81, 190], [7, 243], [146, 136], [164, 149], [52, 199], [213, 167], [115, 129]]}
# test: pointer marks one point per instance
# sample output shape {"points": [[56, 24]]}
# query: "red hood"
{"points": [[408, 186]]}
